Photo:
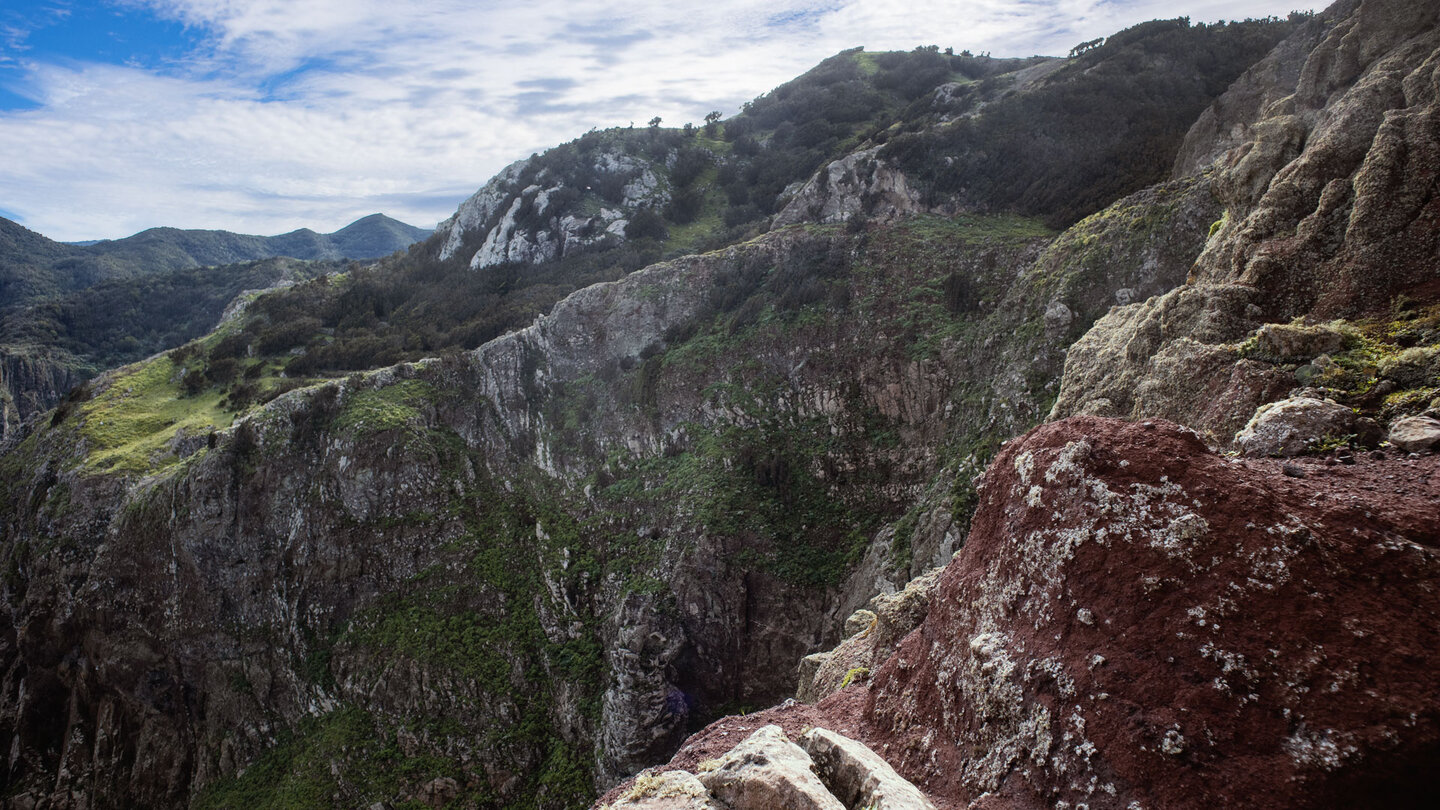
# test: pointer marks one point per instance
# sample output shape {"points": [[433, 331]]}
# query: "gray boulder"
{"points": [[1416, 434], [768, 772], [1292, 426], [858, 776]]}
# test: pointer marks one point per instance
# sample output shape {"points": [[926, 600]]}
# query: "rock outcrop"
{"points": [[1136, 620], [765, 771], [31, 382], [1294, 426], [526, 213], [821, 770], [858, 185], [1325, 160]]}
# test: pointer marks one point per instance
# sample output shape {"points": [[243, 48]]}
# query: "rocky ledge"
{"points": [[1138, 621]]}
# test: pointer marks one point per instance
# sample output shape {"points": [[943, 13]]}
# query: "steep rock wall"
{"points": [[31, 382], [1326, 162], [632, 515]]}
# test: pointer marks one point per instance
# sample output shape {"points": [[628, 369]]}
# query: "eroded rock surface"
{"points": [[768, 771], [1135, 619], [858, 776], [1416, 434], [1294, 425], [1325, 158]]}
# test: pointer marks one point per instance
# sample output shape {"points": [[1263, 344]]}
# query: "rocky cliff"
{"points": [[31, 383], [656, 499], [1137, 620], [1324, 164], [516, 574]]}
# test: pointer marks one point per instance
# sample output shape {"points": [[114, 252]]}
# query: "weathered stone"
{"points": [[670, 790], [1297, 342], [1415, 434], [858, 776], [859, 622], [768, 772], [1293, 426], [805, 673], [1324, 155], [859, 184], [1222, 598], [893, 615], [896, 614], [1414, 367]]}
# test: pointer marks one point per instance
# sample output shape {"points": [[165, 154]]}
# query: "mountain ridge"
{"points": [[633, 491], [33, 266]]}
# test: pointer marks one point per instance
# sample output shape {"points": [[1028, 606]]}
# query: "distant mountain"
{"points": [[32, 266], [366, 238]]}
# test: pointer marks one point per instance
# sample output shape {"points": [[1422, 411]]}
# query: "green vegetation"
{"points": [[1387, 367], [128, 425], [346, 757], [120, 321], [396, 406], [1107, 124]]}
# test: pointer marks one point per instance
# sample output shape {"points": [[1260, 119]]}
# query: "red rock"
{"points": [[1137, 619]]}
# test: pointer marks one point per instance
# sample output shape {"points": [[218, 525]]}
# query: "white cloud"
{"points": [[314, 113]]}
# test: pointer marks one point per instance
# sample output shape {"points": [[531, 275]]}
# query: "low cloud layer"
{"points": [[312, 114]]}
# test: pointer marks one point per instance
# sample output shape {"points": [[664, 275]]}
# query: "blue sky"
{"points": [[262, 116]]}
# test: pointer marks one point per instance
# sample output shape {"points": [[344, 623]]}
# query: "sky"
{"points": [[263, 116]]}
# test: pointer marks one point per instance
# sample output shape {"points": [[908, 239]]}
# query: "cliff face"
{"points": [[519, 573], [1324, 159], [525, 214], [31, 382], [627, 517], [1137, 620]]}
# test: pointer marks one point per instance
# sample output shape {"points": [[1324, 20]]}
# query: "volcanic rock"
{"points": [[767, 771], [1415, 434], [1292, 426], [893, 616], [1138, 621], [671, 790], [858, 776], [1292, 341]]}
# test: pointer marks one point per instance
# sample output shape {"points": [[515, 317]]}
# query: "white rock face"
{"points": [[767, 771], [858, 776], [474, 212], [857, 183], [506, 241], [1290, 426]]}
